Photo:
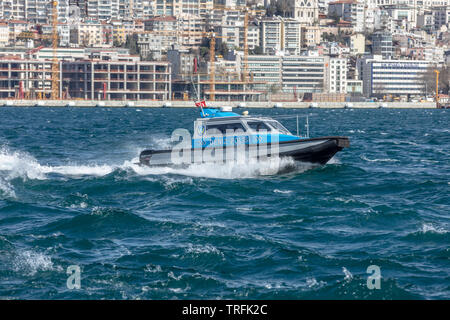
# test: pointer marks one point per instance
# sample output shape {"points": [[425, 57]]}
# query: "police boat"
{"points": [[221, 135]]}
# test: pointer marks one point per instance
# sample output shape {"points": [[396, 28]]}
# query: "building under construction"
{"points": [[85, 79], [117, 80]]}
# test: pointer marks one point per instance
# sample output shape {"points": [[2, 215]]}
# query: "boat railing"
{"points": [[290, 116]]}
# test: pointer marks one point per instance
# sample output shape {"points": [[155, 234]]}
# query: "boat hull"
{"points": [[313, 150]]}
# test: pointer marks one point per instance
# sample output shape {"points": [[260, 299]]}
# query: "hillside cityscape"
{"points": [[225, 50]]}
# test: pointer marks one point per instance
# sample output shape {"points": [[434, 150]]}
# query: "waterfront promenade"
{"points": [[188, 104]]}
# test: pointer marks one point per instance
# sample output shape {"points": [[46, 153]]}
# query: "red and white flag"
{"points": [[201, 104]]}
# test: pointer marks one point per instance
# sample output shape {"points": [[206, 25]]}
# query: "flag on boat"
{"points": [[201, 104]]}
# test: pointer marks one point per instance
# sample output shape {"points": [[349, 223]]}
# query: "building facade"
{"points": [[382, 44], [393, 77], [337, 77], [86, 79]]}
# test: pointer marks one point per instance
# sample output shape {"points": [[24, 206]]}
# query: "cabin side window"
{"points": [[224, 127], [258, 126]]}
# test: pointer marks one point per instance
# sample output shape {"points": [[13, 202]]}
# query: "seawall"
{"points": [[190, 104]]}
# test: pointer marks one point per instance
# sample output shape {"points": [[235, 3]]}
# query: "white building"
{"points": [[95, 34], [4, 34], [172, 8], [337, 77], [64, 35], [357, 44], [270, 34], [280, 34], [252, 36], [304, 73], [393, 77]]}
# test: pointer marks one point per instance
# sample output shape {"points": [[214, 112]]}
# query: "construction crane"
{"points": [[212, 62], [211, 35], [246, 10], [55, 61], [437, 87]]}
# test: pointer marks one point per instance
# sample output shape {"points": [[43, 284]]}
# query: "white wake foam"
{"points": [[229, 170], [82, 170], [17, 164]]}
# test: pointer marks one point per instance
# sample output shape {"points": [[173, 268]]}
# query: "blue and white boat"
{"points": [[221, 135]]}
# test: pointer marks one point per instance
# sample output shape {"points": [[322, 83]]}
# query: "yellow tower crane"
{"points": [[212, 63], [437, 87], [212, 59], [211, 35]]}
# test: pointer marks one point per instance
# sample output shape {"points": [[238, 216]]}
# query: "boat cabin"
{"points": [[228, 122]]}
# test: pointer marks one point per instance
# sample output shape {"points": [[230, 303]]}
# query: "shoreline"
{"points": [[234, 104]]}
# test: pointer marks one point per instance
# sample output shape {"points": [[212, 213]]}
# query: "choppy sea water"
{"points": [[70, 194]]}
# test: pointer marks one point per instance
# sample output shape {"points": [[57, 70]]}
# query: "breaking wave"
{"points": [[430, 228], [363, 157]]}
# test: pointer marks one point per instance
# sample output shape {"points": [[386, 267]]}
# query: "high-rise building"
{"points": [[280, 34], [337, 77], [382, 44]]}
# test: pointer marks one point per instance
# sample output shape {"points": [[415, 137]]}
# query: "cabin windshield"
{"points": [[279, 127]]}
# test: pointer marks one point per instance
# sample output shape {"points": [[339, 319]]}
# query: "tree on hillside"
{"points": [[277, 8], [132, 44], [221, 48]]}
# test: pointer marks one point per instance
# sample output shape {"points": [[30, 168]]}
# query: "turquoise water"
{"points": [[70, 194]]}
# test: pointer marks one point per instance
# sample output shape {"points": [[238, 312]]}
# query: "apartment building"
{"points": [[337, 75], [123, 28], [280, 34], [441, 16], [382, 44], [95, 34], [357, 43], [350, 11], [13, 9], [4, 34], [16, 27], [175, 8], [311, 36]]}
